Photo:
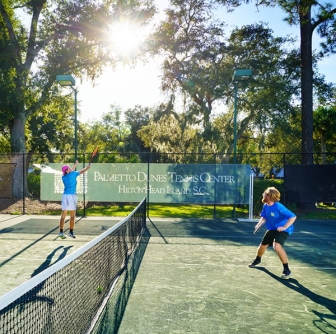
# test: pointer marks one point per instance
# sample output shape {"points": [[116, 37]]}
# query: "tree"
{"points": [[265, 102], [168, 132], [137, 118], [109, 134], [116, 130], [48, 129], [61, 37], [199, 63], [310, 15], [324, 127], [191, 43]]}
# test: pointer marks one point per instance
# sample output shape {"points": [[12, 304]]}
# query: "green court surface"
{"points": [[30, 244], [194, 276]]}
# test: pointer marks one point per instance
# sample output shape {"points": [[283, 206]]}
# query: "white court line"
{"points": [[302, 267], [238, 265], [204, 236]]}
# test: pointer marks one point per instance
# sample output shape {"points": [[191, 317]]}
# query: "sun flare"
{"points": [[126, 38]]}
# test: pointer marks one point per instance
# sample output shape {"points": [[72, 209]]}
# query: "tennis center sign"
{"points": [[160, 183]]}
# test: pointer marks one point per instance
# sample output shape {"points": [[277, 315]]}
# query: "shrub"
{"points": [[259, 187], [33, 181]]}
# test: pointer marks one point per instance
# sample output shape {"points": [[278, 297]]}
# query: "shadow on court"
{"points": [[49, 260], [48, 226], [194, 275], [329, 304], [195, 278], [30, 245], [295, 285]]}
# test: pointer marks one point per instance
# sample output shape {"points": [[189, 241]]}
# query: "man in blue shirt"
{"points": [[279, 223], [69, 198]]}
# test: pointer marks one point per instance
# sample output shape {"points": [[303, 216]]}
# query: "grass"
{"points": [[199, 211], [322, 215], [164, 211], [192, 211], [322, 212], [169, 210]]}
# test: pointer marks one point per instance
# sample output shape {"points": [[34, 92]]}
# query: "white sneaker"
{"points": [[286, 274]]}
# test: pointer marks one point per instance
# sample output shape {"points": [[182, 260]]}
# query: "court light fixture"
{"points": [[242, 75]]}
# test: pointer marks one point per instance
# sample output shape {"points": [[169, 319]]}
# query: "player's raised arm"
{"points": [[84, 169], [74, 166]]}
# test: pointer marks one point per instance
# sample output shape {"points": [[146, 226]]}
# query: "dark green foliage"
{"points": [[259, 187], [34, 180]]}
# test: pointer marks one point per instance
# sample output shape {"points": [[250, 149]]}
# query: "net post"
{"points": [[251, 196]]}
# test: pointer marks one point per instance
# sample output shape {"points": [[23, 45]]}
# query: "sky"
{"points": [[127, 87]]}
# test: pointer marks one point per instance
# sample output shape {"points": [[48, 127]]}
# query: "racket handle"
{"points": [[257, 229]]}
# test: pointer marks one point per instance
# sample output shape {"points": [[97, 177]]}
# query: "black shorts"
{"points": [[271, 236]]}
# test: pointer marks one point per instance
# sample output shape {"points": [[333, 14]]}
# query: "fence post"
{"points": [[24, 183], [84, 184], [147, 199], [284, 168], [215, 214]]}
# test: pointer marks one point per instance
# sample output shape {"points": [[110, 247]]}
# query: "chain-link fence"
{"points": [[20, 174]]}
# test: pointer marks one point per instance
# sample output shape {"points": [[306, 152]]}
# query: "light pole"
{"points": [[69, 81], [238, 75]]}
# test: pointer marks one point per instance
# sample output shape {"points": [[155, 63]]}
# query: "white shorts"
{"points": [[69, 202]]}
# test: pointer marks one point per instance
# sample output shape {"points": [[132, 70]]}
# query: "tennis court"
{"points": [[30, 244], [194, 277]]}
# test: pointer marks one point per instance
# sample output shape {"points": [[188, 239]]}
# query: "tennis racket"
{"points": [[258, 228], [93, 154]]}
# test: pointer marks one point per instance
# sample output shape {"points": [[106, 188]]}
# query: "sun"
{"points": [[126, 38]]}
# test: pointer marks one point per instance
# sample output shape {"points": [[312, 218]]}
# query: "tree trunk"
{"points": [[323, 149], [18, 147], [306, 35], [306, 85]]}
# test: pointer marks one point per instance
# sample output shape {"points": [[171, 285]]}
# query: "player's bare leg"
{"points": [[62, 220], [72, 223], [72, 219], [281, 253], [260, 252], [283, 258]]}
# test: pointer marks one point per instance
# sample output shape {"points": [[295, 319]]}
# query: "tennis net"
{"points": [[84, 292]]}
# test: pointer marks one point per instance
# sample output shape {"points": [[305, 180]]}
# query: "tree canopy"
{"points": [[40, 39], [310, 16]]}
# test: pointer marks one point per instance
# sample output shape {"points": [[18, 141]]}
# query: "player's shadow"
{"points": [[47, 263], [328, 303], [36, 293]]}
